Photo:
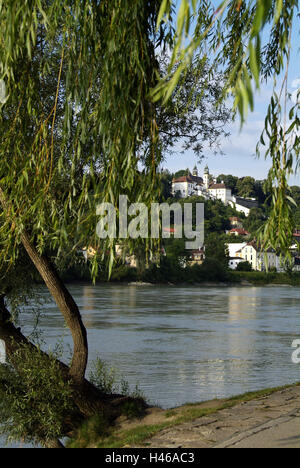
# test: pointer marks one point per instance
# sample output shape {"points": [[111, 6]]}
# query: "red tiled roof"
{"points": [[183, 179], [258, 247], [217, 186], [240, 231], [197, 251], [189, 178]]}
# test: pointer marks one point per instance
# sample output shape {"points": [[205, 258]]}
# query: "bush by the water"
{"points": [[170, 271], [174, 270], [35, 399], [106, 379], [261, 277], [244, 266]]}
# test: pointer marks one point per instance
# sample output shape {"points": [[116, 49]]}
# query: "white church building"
{"points": [[208, 188]]}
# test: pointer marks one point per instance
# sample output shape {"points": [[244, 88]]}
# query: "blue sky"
{"points": [[239, 148]]}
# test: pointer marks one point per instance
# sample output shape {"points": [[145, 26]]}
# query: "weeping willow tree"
{"points": [[80, 85], [78, 127], [251, 40], [75, 108]]}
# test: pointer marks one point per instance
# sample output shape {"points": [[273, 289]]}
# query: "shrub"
{"points": [[169, 271], [34, 397], [244, 266], [124, 273], [213, 270], [105, 378]]}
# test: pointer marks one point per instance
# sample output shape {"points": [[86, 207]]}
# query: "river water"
{"points": [[187, 344]]}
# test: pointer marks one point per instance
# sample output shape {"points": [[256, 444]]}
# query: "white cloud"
{"points": [[245, 139]]}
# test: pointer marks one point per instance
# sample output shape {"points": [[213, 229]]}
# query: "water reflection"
{"points": [[188, 343]]}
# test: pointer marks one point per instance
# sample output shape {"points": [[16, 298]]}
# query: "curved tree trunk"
{"points": [[64, 301], [66, 305]]}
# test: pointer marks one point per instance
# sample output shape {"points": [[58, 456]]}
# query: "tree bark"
{"points": [[54, 444], [66, 305], [64, 301]]}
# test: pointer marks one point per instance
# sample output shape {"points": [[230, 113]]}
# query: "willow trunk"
{"points": [[66, 305]]}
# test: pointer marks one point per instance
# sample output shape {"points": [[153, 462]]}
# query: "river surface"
{"points": [[186, 344]]}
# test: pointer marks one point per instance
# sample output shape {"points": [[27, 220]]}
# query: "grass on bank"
{"points": [[210, 272], [95, 434], [262, 278]]}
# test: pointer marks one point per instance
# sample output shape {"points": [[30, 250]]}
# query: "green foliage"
{"points": [[255, 220], [230, 181], [246, 187], [191, 120], [215, 248], [78, 124], [240, 26], [169, 270], [244, 266], [35, 399], [283, 148], [93, 429], [124, 273], [181, 173], [105, 378], [211, 270], [18, 283], [252, 41], [261, 277], [175, 250], [295, 194], [216, 213], [166, 185]]}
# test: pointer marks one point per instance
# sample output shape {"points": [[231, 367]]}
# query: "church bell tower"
{"points": [[206, 177]]}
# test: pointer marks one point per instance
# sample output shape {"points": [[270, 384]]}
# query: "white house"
{"points": [[234, 259], [221, 192], [244, 205], [208, 188], [234, 262], [259, 260], [297, 264], [188, 185], [236, 222], [234, 248]]}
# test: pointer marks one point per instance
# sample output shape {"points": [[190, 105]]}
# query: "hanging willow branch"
{"points": [[78, 126]]}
